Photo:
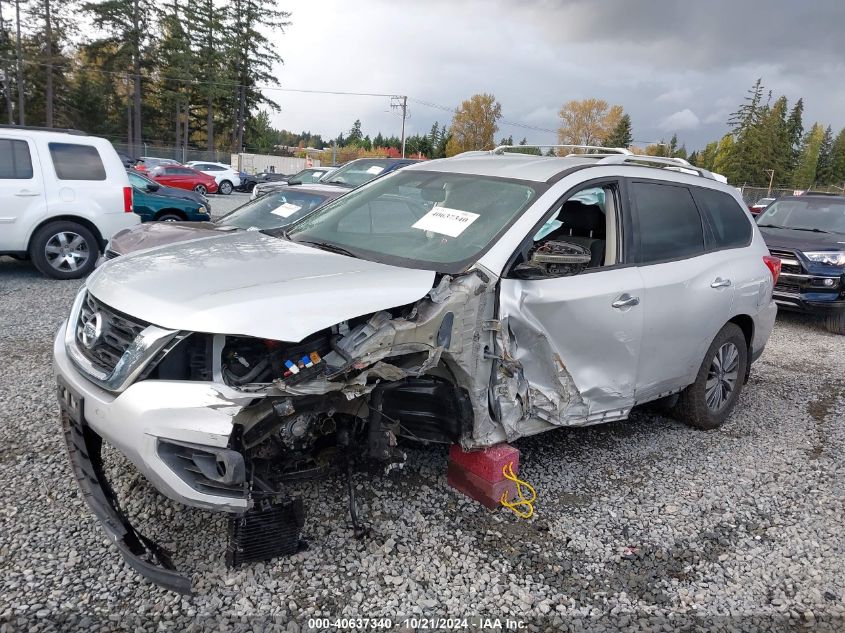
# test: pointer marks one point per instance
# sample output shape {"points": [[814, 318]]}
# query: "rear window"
{"points": [[669, 223], [15, 162], [77, 162], [731, 227]]}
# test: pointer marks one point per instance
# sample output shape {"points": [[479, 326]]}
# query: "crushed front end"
{"points": [[233, 423]]}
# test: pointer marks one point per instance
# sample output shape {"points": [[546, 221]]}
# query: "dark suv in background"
{"points": [[807, 233]]}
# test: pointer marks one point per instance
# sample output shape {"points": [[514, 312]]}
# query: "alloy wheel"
{"points": [[67, 251], [722, 377], [200, 189]]}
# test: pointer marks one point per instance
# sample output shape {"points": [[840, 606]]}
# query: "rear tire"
{"points": [[225, 188], [64, 250], [201, 189], [835, 322], [709, 401]]}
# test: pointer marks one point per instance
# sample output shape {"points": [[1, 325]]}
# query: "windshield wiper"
{"points": [[813, 230], [329, 247]]}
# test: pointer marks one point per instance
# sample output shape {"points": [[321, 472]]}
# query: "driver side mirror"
{"points": [[153, 186]]}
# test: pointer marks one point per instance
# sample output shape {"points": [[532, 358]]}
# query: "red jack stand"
{"points": [[478, 474]]}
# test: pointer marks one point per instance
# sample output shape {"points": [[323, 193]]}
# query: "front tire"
{"points": [[201, 189], [225, 188], [64, 250], [835, 322], [169, 217], [709, 401]]}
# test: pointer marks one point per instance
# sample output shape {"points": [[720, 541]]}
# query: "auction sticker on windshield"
{"points": [[375, 169], [286, 210], [446, 221]]}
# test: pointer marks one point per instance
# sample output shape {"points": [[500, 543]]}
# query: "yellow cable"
{"points": [[507, 471]]}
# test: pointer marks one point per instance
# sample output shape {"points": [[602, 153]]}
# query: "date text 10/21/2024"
{"points": [[418, 623]]}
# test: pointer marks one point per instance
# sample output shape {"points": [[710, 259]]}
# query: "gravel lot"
{"points": [[221, 205], [644, 524]]}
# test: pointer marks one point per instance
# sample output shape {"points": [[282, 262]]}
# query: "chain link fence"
{"points": [[752, 194]]}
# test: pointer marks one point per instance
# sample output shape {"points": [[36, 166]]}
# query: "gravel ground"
{"points": [[639, 525], [221, 205]]}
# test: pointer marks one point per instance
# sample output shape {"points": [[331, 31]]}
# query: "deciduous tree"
{"points": [[474, 125], [587, 122]]}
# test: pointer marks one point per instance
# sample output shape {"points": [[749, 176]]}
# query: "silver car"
{"points": [[471, 300]]}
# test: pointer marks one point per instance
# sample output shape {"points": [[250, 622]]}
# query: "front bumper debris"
{"points": [[85, 452]]}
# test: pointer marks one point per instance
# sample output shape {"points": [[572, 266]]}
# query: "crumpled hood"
{"points": [[151, 234], [252, 284]]}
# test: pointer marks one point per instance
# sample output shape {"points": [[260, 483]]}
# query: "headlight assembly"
{"points": [[830, 258]]}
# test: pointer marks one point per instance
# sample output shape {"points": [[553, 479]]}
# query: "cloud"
{"points": [[695, 61], [684, 119], [676, 95]]}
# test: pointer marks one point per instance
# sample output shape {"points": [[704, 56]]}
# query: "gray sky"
{"points": [[674, 65]]}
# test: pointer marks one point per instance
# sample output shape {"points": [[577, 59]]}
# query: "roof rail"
{"points": [[604, 150], [36, 128], [657, 161]]}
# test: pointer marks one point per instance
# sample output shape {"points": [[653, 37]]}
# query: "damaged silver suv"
{"points": [[471, 300]]}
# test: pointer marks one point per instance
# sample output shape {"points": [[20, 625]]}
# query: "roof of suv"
{"points": [[547, 168]]}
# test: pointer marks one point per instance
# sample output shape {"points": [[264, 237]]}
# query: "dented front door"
{"points": [[585, 329]]}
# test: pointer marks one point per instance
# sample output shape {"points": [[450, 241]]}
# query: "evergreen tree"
{"points": [[838, 160], [125, 36], [250, 56], [707, 157], [355, 135], [747, 161], [795, 132], [7, 52], [176, 67], [804, 176], [208, 44], [621, 135], [49, 27], [724, 154], [824, 169]]}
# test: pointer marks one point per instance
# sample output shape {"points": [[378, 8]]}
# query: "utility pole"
{"points": [[21, 114], [771, 173], [401, 103]]}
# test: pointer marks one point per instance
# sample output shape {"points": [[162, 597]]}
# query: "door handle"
{"points": [[720, 283], [26, 193], [625, 301]]}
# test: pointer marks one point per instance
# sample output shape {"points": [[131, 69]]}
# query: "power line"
{"points": [[231, 84]]}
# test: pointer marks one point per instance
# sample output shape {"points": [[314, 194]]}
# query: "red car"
{"points": [[183, 178]]}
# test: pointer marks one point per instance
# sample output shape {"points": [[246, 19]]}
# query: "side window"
{"points": [[669, 224], [15, 161], [77, 162], [731, 227], [582, 232]]}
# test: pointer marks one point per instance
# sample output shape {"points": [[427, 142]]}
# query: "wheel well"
{"points": [[69, 218], [746, 324], [181, 214]]}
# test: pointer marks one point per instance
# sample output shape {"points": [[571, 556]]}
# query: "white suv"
{"points": [[472, 300], [62, 196], [226, 176]]}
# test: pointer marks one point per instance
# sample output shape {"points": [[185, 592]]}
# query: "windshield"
{"points": [[425, 219], [308, 176], [357, 172], [274, 210], [138, 181], [810, 214]]}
